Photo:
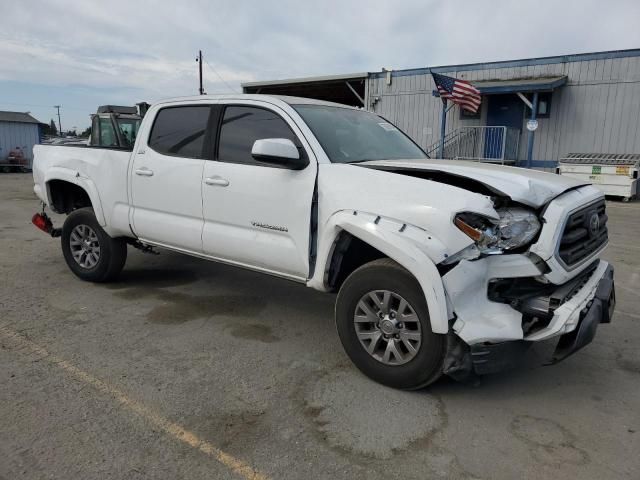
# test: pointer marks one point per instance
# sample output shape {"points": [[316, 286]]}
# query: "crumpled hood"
{"points": [[526, 186]]}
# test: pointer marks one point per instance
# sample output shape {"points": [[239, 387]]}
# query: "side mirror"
{"points": [[278, 151]]}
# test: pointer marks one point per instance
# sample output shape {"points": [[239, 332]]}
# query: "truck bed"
{"points": [[96, 169]]}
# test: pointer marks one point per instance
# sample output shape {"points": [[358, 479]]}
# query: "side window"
{"points": [[107, 133], [180, 131], [242, 126]]}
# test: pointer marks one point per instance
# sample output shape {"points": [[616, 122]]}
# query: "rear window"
{"points": [[180, 131], [128, 130]]}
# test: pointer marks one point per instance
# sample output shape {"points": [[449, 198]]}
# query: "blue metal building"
{"points": [[588, 103], [18, 130]]}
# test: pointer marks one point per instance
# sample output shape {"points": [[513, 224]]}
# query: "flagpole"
{"points": [[443, 127], [461, 92]]}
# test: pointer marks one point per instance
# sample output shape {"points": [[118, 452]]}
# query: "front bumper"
{"points": [[464, 360], [599, 311], [481, 320]]}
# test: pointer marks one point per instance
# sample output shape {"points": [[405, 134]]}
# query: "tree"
{"points": [[86, 132], [49, 128]]}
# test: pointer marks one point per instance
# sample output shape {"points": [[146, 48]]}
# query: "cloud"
{"points": [[149, 47]]}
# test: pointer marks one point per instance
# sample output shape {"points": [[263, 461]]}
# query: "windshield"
{"points": [[128, 130], [349, 136]]}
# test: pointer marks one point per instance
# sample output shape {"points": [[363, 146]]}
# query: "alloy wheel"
{"points": [[388, 327]]}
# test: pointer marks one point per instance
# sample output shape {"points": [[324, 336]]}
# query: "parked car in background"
{"points": [[16, 161]]}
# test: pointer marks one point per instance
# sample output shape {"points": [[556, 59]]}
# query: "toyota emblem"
{"points": [[594, 224]]}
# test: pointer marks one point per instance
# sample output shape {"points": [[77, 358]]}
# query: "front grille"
{"points": [[582, 235]]}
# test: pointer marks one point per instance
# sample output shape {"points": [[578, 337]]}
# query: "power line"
{"points": [[220, 77], [39, 106]]}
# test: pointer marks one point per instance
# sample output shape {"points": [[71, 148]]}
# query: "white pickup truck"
{"points": [[441, 267]]}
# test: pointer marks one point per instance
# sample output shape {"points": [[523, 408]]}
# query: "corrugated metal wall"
{"points": [[598, 110], [23, 135]]}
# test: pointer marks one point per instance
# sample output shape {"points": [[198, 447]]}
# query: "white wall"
{"points": [[597, 111]]}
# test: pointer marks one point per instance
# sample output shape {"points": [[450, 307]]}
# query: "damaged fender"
{"points": [[412, 247], [73, 176]]}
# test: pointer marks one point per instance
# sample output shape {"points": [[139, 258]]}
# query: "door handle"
{"points": [[218, 181], [144, 172]]}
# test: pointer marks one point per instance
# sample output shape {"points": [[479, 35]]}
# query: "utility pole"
{"points": [[199, 60], [59, 123]]}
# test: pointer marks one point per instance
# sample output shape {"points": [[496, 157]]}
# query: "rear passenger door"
{"points": [[256, 214], [166, 178]]}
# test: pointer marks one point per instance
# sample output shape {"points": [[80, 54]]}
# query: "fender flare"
{"points": [[76, 178], [412, 247]]}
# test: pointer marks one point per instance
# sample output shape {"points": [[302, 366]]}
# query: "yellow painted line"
{"points": [[170, 428]]}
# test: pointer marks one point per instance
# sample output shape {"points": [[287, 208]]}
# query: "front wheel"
{"points": [[383, 323], [89, 252]]}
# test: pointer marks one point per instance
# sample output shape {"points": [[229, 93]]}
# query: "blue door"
{"points": [[503, 111]]}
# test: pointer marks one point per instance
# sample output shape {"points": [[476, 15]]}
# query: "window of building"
{"points": [[242, 126], [544, 105], [180, 131], [467, 115]]}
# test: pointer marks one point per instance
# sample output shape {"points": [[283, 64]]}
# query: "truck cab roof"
{"points": [[249, 96]]}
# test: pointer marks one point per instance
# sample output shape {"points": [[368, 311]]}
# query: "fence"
{"points": [[485, 144]]}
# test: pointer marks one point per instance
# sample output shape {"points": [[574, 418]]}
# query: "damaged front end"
{"points": [[504, 299], [556, 320]]}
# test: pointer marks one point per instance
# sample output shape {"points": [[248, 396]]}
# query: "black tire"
{"points": [[113, 251], [385, 274]]}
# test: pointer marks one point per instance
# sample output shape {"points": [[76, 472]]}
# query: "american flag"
{"points": [[458, 91]]}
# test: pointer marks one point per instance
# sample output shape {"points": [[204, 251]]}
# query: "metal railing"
{"points": [[451, 141], [481, 143]]}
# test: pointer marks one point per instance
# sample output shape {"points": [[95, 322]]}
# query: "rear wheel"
{"points": [[383, 322], [89, 252]]}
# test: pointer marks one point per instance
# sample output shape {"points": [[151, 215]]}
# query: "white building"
{"points": [[586, 103]]}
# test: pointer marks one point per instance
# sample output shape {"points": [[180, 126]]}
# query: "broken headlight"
{"points": [[516, 227]]}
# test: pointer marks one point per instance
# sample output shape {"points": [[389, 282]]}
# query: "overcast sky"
{"points": [[81, 54]]}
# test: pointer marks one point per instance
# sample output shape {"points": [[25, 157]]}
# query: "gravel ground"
{"points": [[190, 369]]}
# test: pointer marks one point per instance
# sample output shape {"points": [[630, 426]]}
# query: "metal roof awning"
{"points": [[290, 81], [347, 89], [521, 85]]}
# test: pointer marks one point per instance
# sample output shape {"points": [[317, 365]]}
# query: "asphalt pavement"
{"points": [[190, 369]]}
